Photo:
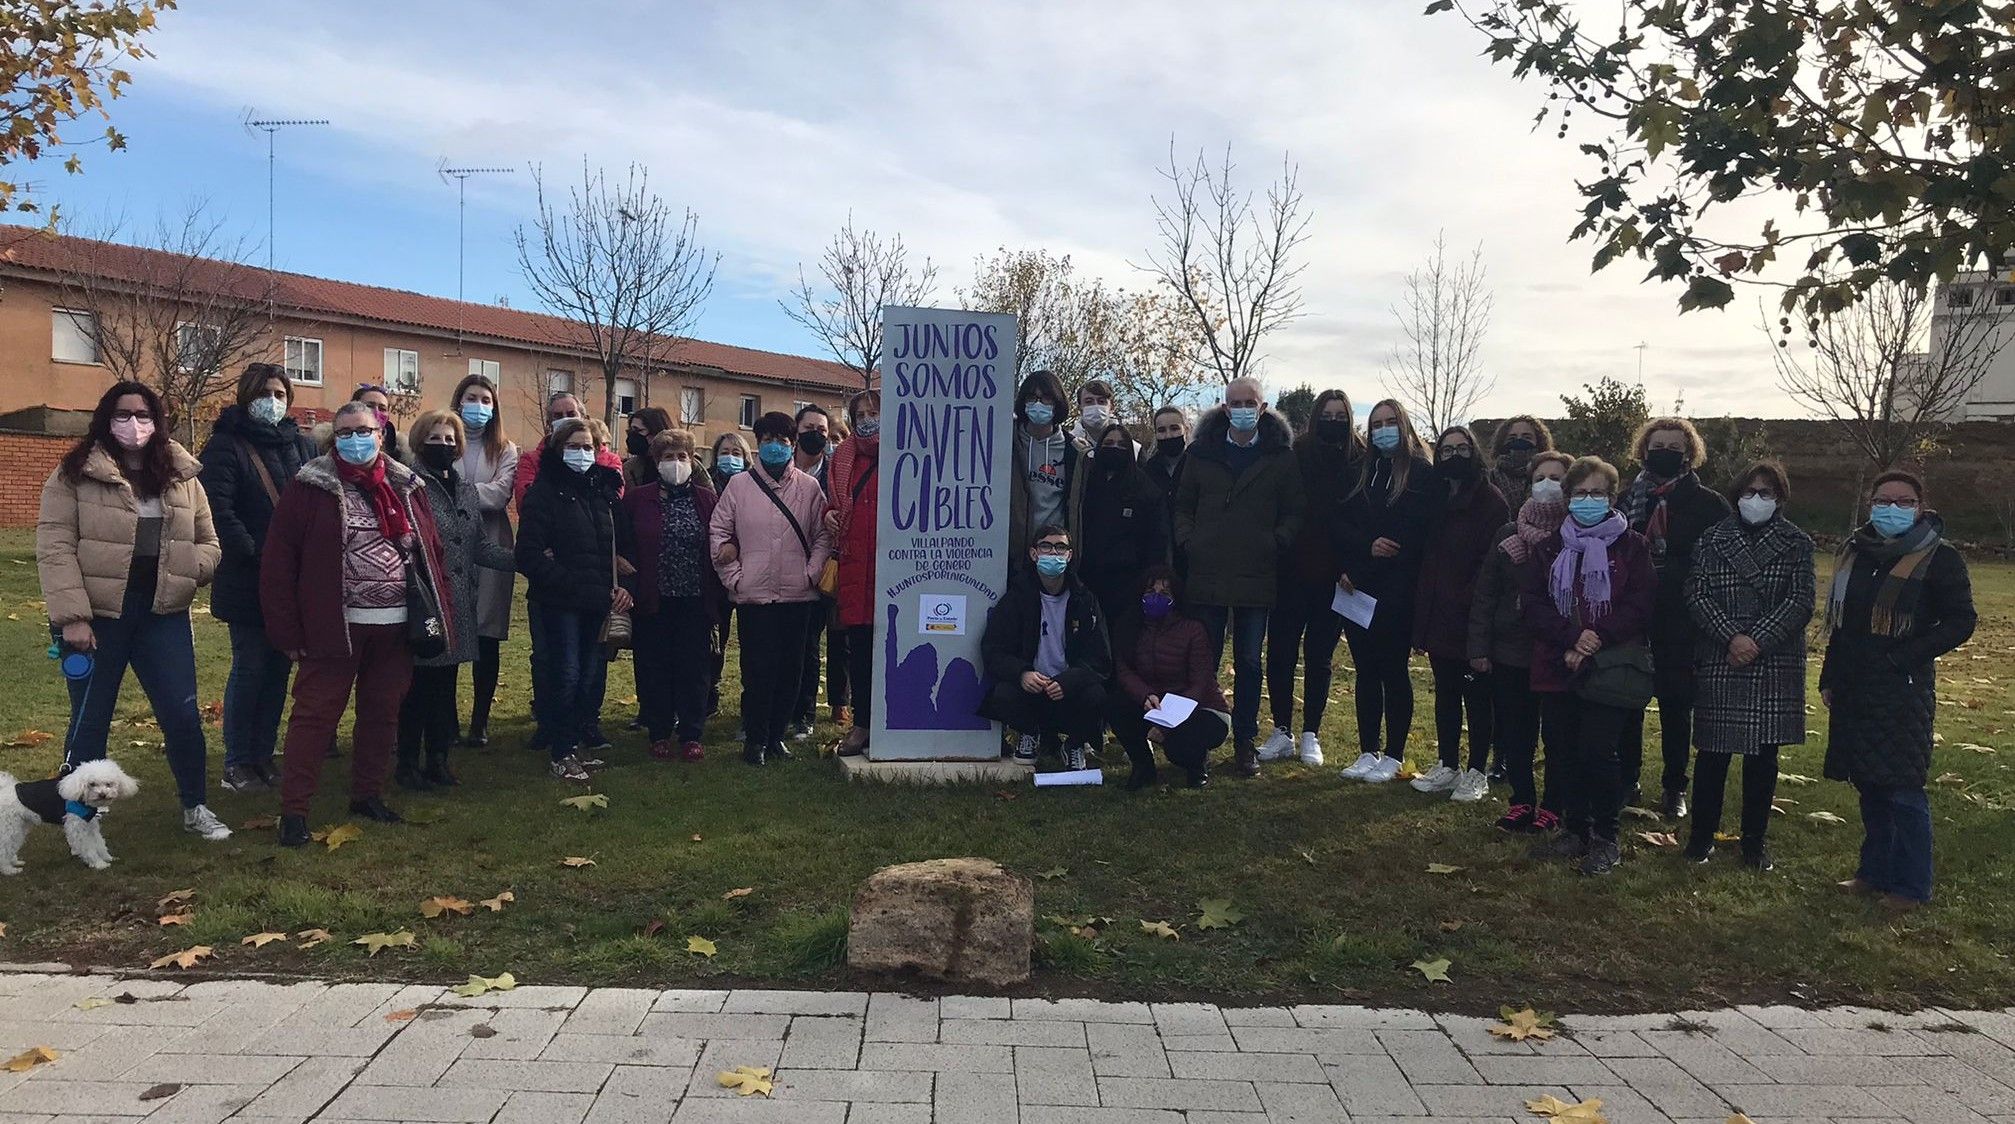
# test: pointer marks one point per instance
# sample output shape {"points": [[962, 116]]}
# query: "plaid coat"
{"points": [[1755, 582]]}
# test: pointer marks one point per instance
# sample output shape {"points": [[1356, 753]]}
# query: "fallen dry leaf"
{"points": [[1795, 778], [40, 1055], [436, 906], [1521, 1025], [1950, 778], [496, 904], [182, 918], [92, 1003], [1218, 913], [1160, 929], [1436, 971], [577, 861], [1586, 1112], [186, 958], [746, 1079], [160, 1092], [1727, 837], [405, 1016], [1441, 868], [1640, 813], [334, 837], [377, 942], [482, 1030], [700, 945], [584, 803], [261, 940], [3, 928], [697, 837], [1740, 1118], [259, 823], [1450, 926], [1824, 817], [656, 926], [1658, 838], [477, 985], [743, 892], [29, 739], [1051, 873], [309, 938], [174, 897]]}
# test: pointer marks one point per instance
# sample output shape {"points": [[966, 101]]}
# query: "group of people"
{"points": [[1553, 599]]}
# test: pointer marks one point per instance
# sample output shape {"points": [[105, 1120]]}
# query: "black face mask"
{"points": [[638, 444], [1170, 446], [1110, 458], [1333, 431], [391, 436], [1459, 469], [1665, 463], [1517, 452], [811, 442], [438, 457]]}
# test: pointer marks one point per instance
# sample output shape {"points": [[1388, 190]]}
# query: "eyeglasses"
{"points": [[1458, 451], [1591, 493], [132, 415], [1907, 503], [358, 431], [1052, 549]]}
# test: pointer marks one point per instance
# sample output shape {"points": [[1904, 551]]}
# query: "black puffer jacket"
{"points": [[1885, 688], [1125, 525], [239, 504], [1372, 513], [569, 527], [1692, 507]]}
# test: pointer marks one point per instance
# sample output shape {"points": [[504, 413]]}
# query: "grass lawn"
{"points": [[1331, 877]]}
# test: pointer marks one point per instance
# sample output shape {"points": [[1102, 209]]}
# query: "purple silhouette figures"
{"points": [[911, 684]]}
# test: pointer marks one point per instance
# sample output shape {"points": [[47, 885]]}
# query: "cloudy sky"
{"points": [[965, 126]]}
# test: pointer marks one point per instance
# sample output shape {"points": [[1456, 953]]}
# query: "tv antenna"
{"points": [[461, 178], [270, 126], [1640, 364]]}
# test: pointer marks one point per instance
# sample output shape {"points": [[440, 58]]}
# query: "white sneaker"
{"points": [[1441, 778], [1311, 749], [1279, 747], [1383, 772], [1024, 749], [201, 821], [1361, 768], [1471, 787]]}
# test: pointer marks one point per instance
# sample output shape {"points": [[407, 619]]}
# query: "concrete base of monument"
{"points": [[936, 772]]}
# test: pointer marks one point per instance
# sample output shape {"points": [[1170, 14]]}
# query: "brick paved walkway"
{"points": [[256, 1051]]}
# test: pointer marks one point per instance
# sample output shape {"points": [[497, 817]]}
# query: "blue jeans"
{"points": [[1248, 636], [568, 673], [1896, 849], [254, 696], [162, 653]]}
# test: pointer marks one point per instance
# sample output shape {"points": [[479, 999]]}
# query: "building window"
{"points": [[559, 382], [197, 347], [304, 360], [752, 408], [402, 371], [692, 406], [74, 336], [626, 396], [798, 407], [1959, 298], [2004, 296], [488, 368]]}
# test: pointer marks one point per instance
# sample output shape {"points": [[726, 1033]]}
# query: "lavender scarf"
{"points": [[1591, 546]]}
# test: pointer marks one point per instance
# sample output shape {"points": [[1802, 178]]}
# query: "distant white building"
{"points": [[1970, 298]]}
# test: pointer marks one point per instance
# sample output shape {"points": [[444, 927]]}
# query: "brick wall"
{"points": [[26, 460]]}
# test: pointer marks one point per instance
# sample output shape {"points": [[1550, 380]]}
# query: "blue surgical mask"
{"points": [[267, 409], [1052, 565], [1245, 419], [729, 464], [477, 415], [360, 449], [580, 460], [1385, 438], [1588, 510], [1891, 519], [1039, 413], [774, 454]]}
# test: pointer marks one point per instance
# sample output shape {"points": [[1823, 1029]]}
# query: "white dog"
{"points": [[74, 800]]}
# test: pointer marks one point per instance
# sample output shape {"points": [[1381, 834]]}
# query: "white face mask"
{"points": [[675, 473], [1756, 509], [1546, 490], [1094, 419]]}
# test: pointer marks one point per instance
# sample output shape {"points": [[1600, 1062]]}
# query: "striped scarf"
{"points": [[1908, 557]]}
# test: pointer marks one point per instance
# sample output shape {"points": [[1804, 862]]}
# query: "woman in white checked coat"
{"points": [[1750, 593]]}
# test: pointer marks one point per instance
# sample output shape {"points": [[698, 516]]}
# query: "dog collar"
{"points": [[79, 809]]}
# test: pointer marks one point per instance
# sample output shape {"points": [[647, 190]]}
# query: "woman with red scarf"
{"points": [[332, 586], [851, 519]]}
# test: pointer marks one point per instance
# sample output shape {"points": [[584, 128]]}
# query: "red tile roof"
{"points": [[313, 297]]}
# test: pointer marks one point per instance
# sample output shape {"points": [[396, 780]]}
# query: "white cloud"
{"points": [[970, 126]]}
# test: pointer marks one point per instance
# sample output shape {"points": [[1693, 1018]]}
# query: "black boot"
{"points": [[407, 772], [372, 808], [1247, 759], [1674, 804], [438, 773], [1143, 773], [752, 752], [293, 831], [479, 733]]}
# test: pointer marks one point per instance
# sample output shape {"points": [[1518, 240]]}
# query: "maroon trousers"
{"points": [[380, 665]]}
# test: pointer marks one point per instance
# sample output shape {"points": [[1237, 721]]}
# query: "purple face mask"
{"points": [[1155, 606]]}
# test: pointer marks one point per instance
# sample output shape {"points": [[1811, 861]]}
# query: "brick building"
{"points": [[333, 335]]}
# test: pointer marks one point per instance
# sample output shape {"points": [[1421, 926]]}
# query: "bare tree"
{"points": [[1054, 310], [862, 275], [1443, 315], [1894, 369], [623, 267], [184, 320], [1152, 353], [1233, 263]]}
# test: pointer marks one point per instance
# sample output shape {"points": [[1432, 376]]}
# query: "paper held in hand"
{"points": [[1356, 606], [1173, 711]]}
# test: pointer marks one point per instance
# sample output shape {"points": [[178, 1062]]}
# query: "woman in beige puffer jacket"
{"points": [[123, 542]]}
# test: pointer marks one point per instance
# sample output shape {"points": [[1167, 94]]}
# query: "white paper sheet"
{"points": [[1069, 777], [1173, 711], [1357, 606]]}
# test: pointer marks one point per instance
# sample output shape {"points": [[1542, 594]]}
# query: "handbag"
{"points": [[1620, 677], [616, 627], [426, 626], [829, 577]]}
